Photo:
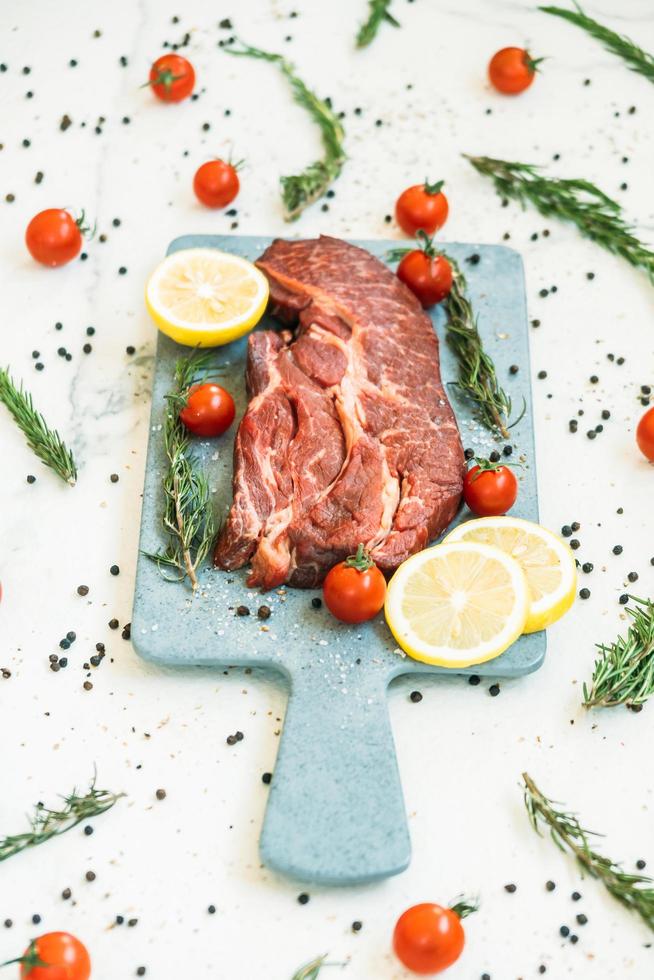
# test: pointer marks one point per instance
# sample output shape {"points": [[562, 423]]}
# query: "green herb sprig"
{"points": [[569, 835], [477, 376], [377, 14], [310, 970], [637, 59], [301, 190], [46, 823], [188, 517], [596, 215], [46, 443], [624, 670]]}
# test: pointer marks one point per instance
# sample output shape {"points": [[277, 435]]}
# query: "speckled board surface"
{"points": [[335, 812]]}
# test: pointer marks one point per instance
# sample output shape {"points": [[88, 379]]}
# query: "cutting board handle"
{"points": [[336, 812]]}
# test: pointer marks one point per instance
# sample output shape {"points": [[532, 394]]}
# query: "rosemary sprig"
{"points": [[301, 190], [624, 670], [477, 377], [310, 970], [378, 12], [46, 443], [569, 835], [596, 215], [637, 59], [46, 823], [188, 516]]}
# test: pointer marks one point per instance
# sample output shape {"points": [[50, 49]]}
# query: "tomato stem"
{"points": [[465, 907], [30, 959], [361, 561], [490, 466], [85, 229], [531, 64], [165, 78], [433, 188]]}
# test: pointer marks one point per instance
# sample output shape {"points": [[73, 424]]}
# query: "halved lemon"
{"points": [[546, 561], [457, 604], [205, 298]]}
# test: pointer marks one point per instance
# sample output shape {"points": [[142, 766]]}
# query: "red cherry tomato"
{"points": [[430, 278], [209, 410], [355, 589], [66, 958], [216, 183], [54, 237], [172, 78], [645, 435], [489, 489], [512, 70], [428, 938], [422, 207]]}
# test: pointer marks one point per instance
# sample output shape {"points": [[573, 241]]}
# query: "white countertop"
{"points": [[461, 751]]}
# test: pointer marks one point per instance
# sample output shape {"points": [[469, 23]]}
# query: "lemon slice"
{"points": [[546, 561], [205, 298], [457, 604]]}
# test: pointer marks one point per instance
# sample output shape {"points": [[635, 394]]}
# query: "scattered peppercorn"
{"points": [[415, 696], [113, 624], [303, 898], [474, 679], [575, 544], [90, 875], [510, 888], [316, 602], [266, 778], [582, 919], [617, 549], [494, 690], [633, 576], [550, 886], [575, 896], [564, 931], [264, 612], [242, 611], [161, 794], [584, 593], [624, 599], [566, 531], [541, 375], [66, 893], [357, 926]]}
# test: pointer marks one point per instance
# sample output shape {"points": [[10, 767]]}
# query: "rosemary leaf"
{"points": [[596, 215], [46, 823], [378, 12], [301, 190], [188, 516], [569, 835], [46, 443], [624, 670], [477, 377], [637, 59], [310, 970]]}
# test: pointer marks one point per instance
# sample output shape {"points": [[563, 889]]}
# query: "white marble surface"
{"points": [[461, 752]]}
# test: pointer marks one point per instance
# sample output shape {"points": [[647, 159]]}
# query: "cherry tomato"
{"points": [[355, 589], [422, 207], [512, 70], [216, 183], [209, 410], [489, 489], [172, 78], [428, 938], [645, 435], [430, 278], [66, 957], [53, 237]]}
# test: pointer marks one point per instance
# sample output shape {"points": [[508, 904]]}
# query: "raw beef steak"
{"points": [[349, 436]]}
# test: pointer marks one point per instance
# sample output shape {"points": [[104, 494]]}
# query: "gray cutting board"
{"points": [[335, 812]]}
